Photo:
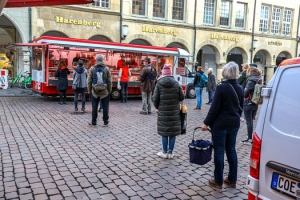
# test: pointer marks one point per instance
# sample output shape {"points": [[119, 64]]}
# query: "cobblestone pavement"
{"points": [[49, 153]]}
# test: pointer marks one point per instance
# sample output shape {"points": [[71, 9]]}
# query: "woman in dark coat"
{"points": [[166, 98], [224, 120], [62, 84]]}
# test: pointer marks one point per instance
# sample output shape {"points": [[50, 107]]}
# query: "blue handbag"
{"points": [[200, 150]]}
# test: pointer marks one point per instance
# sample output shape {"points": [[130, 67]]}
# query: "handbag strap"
{"points": [[236, 97]]}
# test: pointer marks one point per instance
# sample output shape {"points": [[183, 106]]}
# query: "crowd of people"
{"points": [[229, 102]]}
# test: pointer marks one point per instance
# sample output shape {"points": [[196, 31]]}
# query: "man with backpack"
{"points": [[200, 81], [148, 76], [99, 86], [252, 94]]}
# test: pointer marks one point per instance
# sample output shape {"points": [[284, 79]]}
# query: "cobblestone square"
{"points": [[49, 153]]}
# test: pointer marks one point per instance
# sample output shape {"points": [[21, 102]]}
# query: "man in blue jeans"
{"points": [[200, 81]]}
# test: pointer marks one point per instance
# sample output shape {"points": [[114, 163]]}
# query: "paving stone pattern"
{"points": [[49, 153]]}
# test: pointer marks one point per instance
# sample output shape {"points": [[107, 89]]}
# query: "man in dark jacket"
{"points": [[80, 80], [211, 85], [148, 76], [250, 108], [166, 98], [104, 95], [243, 78]]}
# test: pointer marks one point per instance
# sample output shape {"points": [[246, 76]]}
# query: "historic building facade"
{"points": [[212, 31]]}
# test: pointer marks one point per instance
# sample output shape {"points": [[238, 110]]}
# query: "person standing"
{"points": [[223, 118], [62, 83], [148, 76], [99, 74], [200, 81], [250, 108], [124, 74], [167, 96], [80, 79], [211, 85], [242, 80]]}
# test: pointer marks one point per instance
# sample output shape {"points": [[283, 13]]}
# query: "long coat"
{"points": [[62, 75], [166, 98]]}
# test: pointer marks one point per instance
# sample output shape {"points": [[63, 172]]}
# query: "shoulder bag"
{"points": [[237, 97]]}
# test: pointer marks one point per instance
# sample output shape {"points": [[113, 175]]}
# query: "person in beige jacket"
{"points": [[99, 74]]}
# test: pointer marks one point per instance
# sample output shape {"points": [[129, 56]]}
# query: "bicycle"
{"points": [[24, 81]]}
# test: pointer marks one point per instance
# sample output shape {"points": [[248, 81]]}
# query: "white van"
{"points": [[275, 154]]}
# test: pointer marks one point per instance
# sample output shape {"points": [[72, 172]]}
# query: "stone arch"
{"points": [[287, 53], [181, 42], [137, 41], [51, 32], [216, 48], [244, 53], [100, 38], [18, 27], [143, 37], [267, 55]]}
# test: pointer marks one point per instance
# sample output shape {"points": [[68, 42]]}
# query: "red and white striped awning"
{"points": [[33, 3]]}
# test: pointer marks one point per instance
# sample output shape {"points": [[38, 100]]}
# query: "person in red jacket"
{"points": [[119, 64], [124, 75]]}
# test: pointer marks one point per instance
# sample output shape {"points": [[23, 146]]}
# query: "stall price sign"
{"points": [[180, 71]]}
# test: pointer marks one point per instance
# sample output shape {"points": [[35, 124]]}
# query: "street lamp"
{"points": [[124, 32], [254, 46]]}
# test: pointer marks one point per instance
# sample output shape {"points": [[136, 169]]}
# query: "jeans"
{"points": [[101, 106], [82, 92], [198, 91], [105, 103], [211, 95], [168, 140], [124, 91], [224, 140], [250, 112], [62, 95], [146, 96]]}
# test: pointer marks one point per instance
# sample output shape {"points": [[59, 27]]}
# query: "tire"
{"points": [[28, 85], [115, 94], [190, 92]]}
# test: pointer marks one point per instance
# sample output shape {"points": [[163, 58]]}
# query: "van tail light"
{"points": [[255, 156], [251, 196]]}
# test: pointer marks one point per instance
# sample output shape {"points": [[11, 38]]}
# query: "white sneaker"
{"points": [[171, 155], [242, 119], [162, 155]]}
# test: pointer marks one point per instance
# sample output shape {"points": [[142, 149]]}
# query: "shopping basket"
{"points": [[200, 150]]}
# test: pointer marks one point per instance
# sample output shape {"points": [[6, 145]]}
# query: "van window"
{"points": [[286, 108]]}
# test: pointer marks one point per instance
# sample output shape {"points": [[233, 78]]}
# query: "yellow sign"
{"points": [[77, 22], [275, 43], [224, 37], [160, 31]]}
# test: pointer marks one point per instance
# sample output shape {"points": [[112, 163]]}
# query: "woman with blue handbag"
{"points": [[224, 120]]}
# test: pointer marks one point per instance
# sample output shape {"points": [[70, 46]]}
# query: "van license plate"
{"points": [[286, 185]]}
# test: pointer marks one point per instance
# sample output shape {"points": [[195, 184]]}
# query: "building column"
{"points": [[269, 73], [219, 71]]}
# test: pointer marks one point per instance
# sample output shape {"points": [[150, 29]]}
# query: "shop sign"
{"points": [[160, 31], [77, 22], [180, 71], [276, 43], [224, 37]]}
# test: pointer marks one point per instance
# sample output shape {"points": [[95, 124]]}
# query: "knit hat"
{"points": [[253, 65], [167, 70], [99, 59]]}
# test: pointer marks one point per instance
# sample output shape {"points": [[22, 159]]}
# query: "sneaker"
{"points": [[171, 155], [197, 108], [100, 110], [60, 103], [231, 184], [248, 141], [76, 110], [82, 109], [242, 119], [143, 113], [162, 154], [208, 103]]}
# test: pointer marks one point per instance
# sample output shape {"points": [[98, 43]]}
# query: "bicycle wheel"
{"points": [[28, 83], [14, 81], [21, 82]]}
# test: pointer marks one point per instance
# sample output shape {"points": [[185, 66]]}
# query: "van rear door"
{"points": [[279, 174]]}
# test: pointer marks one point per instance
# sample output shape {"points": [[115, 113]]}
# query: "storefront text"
{"points": [[77, 22], [161, 31], [224, 37], [276, 43]]}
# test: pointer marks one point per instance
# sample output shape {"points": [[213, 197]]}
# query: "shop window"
{"points": [[240, 15], [159, 9], [225, 13], [101, 3], [139, 7], [209, 12], [286, 25], [178, 10], [264, 19], [275, 20]]}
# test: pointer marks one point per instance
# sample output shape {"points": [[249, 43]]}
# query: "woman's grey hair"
{"points": [[231, 71]]}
